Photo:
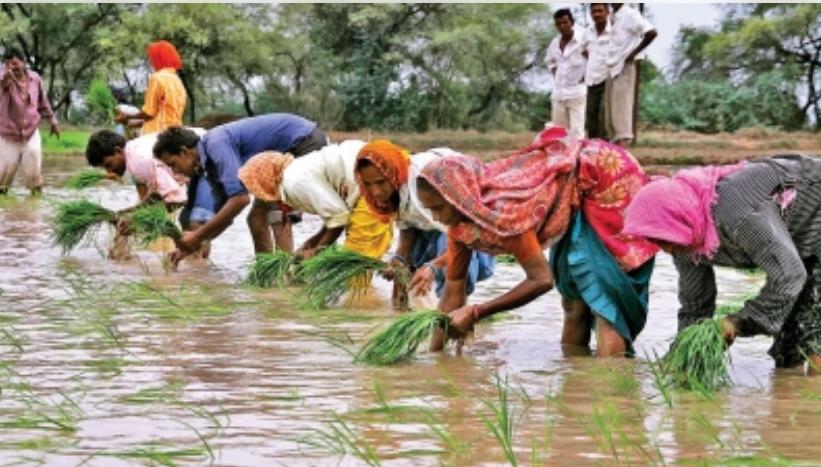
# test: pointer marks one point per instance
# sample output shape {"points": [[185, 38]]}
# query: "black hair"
{"points": [[173, 140], [102, 144], [362, 163], [423, 184], [13, 53], [605, 5], [564, 12]]}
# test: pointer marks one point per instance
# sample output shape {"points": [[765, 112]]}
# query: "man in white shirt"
{"points": [[597, 46], [630, 33], [567, 64]]}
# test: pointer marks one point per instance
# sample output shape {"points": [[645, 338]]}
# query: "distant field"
{"points": [[72, 141], [655, 147]]}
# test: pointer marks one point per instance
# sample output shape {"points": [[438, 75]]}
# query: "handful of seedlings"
{"points": [[335, 272], [85, 179], [269, 269], [401, 338], [151, 223], [77, 219], [698, 359]]}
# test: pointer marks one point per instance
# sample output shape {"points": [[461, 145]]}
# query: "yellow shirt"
{"points": [[165, 100]]}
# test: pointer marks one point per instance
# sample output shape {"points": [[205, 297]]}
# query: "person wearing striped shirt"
{"points": [[764, 214]]}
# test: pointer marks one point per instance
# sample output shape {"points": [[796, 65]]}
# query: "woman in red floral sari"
{"points": [[562, 193]]}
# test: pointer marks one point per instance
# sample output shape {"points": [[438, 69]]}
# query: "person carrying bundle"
{"points": [[134, 161], [560, 192], [384, 172], [763, 214], [165, 97], [321, 183], [218, 156]]}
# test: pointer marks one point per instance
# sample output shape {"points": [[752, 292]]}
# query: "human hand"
{"points": [[462, 321], [304, 253], [55, 130], [121, 118], [422, 281], [176, 256], [728, 331], [189, 242], [124, 227]]}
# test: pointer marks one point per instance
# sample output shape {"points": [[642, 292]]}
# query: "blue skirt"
{"points": [[432, 243], [583, 268]]}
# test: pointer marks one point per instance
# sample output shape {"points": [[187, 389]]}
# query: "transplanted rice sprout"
{"points": [[151, 222], [401, 338], [77, 219], [335, 272], [698, 358], [85, 179], [270, 268]]}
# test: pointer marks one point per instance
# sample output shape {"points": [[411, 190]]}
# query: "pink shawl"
{"points": [[679, 209]]}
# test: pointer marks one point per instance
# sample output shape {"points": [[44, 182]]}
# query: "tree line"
{"points": [[411, 67]]}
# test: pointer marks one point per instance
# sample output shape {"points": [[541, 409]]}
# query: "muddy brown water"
{"points": [[111, 364]]}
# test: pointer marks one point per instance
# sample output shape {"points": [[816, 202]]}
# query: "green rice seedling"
{"points": [[85, 179], [698, 359], [503, 419], [334, 272], [77, 219], [269, 269], [401, 338], [660, 379], [151, 222], [340, 438]]}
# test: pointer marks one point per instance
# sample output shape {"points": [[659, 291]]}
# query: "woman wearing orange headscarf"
{"points": [[321, 183], [165, 97], [383, 172]]}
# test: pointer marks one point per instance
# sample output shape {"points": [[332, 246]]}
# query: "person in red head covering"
{"points": [[165, 97]]}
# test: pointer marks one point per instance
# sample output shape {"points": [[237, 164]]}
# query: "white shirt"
{"points": [[568, 67], [628, 28], [143, 168], [323, 183], [411, 212], [598, 46]]}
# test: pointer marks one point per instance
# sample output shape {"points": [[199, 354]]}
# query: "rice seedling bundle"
{"points": [[269, 269], [333, 273], [698, 358], [85, 179], [401, 338], [150, 223], [77, 219]]}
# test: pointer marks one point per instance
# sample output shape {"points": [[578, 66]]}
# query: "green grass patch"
{"points": [[70, 142]]}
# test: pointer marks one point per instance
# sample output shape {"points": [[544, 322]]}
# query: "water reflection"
{"points": [[260, 380]]}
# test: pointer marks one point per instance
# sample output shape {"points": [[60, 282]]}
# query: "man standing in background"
{"points": [[567, 64], [630, 33], [597, 46], [23, 102]]}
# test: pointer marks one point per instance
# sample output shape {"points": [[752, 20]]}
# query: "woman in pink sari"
{"points": [[560, 192]]}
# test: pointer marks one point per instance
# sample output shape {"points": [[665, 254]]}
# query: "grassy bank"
{"points": [[72, 142], [655, 147]]}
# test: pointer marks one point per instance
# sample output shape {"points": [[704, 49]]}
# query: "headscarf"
{"points": [[679, 209], [163, 54], [513, 195], [393, 162], [262, 174]]}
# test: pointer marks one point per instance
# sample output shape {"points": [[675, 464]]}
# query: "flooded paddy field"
{"points": [[108, 364]]}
